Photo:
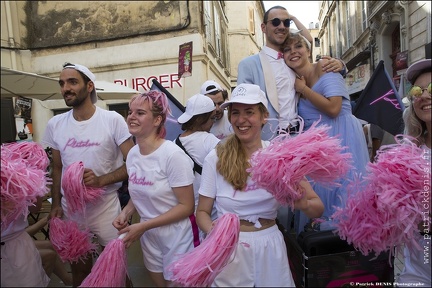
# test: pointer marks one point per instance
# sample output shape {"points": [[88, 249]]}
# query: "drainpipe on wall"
{"points": [[11, 39], [329, 44], [338, 43], [404, 29], [371, 51]]}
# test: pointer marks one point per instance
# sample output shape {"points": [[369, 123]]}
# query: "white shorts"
{"points": [[260, 260], [163, 245], [98, 217], [21, 264]]}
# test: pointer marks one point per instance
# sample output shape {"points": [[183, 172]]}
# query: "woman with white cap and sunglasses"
{"points": [[417, 118], [261, 257], [196, 140]]}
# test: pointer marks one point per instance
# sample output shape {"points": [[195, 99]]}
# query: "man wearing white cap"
{"points": [[196, 140], [101, 140], [221, 126]]}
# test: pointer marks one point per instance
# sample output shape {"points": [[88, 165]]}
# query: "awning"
{"points": [[359, 58], [16, 83]]}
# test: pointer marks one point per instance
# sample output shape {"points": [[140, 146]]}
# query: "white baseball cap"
{"points": [[247, 94], [196, 105], [207, 88], [86, 72]]}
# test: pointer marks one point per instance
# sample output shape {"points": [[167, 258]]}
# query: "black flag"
{"points": [[172, 126], [380, 103]]}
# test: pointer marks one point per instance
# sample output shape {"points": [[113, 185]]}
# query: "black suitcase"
{"points": [[322, 259], [316, 243]]}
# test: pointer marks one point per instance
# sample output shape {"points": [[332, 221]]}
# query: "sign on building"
{"points": [[185, 60], [23, 120], [357, 78]]}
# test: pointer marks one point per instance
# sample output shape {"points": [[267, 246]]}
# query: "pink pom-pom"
{"points": [[69, 241], [22, 182], [281, 166], [384, 209], [75, 192], [110, 269], [32, 152], [200, 266]]}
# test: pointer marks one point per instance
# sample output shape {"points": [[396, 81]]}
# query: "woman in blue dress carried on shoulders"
{"points": [[324, 97]]}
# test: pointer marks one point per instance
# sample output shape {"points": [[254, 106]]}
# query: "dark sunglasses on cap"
{"points": [[67, 64], [416, 92], [276, 22]]}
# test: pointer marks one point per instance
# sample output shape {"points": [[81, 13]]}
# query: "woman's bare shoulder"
{"points": [[319, 66]]}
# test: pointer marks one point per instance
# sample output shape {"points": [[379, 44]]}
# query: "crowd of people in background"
{"points": [[179, 188]]}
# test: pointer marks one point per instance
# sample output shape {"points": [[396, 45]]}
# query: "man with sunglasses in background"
{"points": [[268, 70]]}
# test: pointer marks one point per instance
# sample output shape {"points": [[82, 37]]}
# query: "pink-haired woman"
{"points": [[160, 187]]}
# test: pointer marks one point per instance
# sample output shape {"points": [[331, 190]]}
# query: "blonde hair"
{"points": [[233, 162], [296, 37], [414, 126], [234, 172]]}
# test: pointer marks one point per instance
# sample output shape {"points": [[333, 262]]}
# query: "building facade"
{"points": [[129, 43], [364, 32]]}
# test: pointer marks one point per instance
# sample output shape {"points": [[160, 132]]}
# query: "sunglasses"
{"points": [[416, 92], [67, 64], [276, 22]]}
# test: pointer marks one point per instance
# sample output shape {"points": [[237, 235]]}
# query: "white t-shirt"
{"points": [[151, 178], [198, 145], [222, 127], [251, 204], [18, 225], [95, 141]]}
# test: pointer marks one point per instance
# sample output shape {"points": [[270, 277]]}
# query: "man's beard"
{"points": [[78, 100]]}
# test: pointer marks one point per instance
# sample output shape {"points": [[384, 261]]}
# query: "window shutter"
{"points": [[251, 21]]}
